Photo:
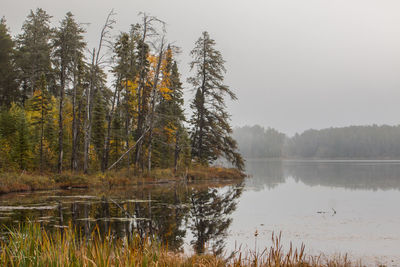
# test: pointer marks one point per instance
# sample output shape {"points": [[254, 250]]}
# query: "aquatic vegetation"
{"points": [[30, 245]]}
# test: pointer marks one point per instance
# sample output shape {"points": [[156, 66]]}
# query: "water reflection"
{"points": [[166, 213], [354, 175], [209, 210]]}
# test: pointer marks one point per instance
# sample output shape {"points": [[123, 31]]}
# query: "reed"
{"points": [[30, 245]]}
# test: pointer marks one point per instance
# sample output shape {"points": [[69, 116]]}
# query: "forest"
{"points": [[67, 106], [353, 142]]}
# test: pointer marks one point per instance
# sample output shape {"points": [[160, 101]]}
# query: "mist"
{"points": [[294, 65]]}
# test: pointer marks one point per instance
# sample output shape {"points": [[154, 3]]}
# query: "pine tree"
{"points": [[68, 48], [100, 109], [211, 132], [34, 51], [124, 98], [170, 116], [8, 74], [20, 143]]}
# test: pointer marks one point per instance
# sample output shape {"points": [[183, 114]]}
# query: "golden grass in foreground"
{"points": [[32, 246]]}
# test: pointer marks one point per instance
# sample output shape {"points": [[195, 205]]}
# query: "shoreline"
{"points": [[13, 182]]}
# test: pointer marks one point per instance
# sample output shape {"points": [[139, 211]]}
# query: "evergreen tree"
{"points": [[211, 132], [100, 108], [8, 74], [34, 51], [7, 135], [170, 116], [124, 99], [68, 48], [20, 143], [80, 83]]}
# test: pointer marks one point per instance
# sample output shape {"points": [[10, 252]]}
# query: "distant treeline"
{"points": [[355, 142]]}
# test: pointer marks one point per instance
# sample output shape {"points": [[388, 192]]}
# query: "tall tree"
{"points": [[68, 48], [34, 51], [40, 105], [80, 75], [8, 75], [154, 99], [147, 30], [211, 132], [169, 113], [91, 90], [124, 97]]}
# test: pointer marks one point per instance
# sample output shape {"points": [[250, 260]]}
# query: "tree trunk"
{"points": [[177, 150], [74, 164], [153, 103], [41, 133], [107, 139], [140, 98], [60, 120], [202, 108], [88, 123]]}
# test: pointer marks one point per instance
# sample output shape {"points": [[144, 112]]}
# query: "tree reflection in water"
{"points": [[163, 213], [209, 212]]}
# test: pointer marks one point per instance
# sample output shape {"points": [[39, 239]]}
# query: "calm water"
{"points": [[333, 207]]}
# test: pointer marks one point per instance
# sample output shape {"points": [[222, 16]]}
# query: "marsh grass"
{"points": [[18, 182], [30, 245]]}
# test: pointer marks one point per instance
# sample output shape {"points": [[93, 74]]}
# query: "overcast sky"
{"points": [[294, 64]]}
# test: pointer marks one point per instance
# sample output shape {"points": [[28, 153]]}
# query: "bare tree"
{"points": [[147, 31], [154, 96], [97, 61]]}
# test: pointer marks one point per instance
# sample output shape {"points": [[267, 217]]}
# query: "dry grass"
{"points": [[30, 245], [13, 182], [17, 182]]}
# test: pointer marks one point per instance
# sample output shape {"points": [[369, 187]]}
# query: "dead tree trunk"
{"points": [[74, 164], [153, 103], [88, 117], [110, 117], [96, 58]]}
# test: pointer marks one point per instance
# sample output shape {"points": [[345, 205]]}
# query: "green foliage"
{"points": [[21, 146], [99, 120], [211, 132], [8, 73], [34, 51], [57, 106], [169, 130]]}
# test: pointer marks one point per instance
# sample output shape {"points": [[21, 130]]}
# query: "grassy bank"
{"points": [[18, 182], [32, 246]]}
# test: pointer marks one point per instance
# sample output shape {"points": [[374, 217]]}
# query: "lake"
{"points": [[333, 207]]}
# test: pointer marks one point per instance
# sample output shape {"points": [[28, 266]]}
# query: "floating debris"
{"points": [[138, 200], [78, 196], [10, 208]]}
